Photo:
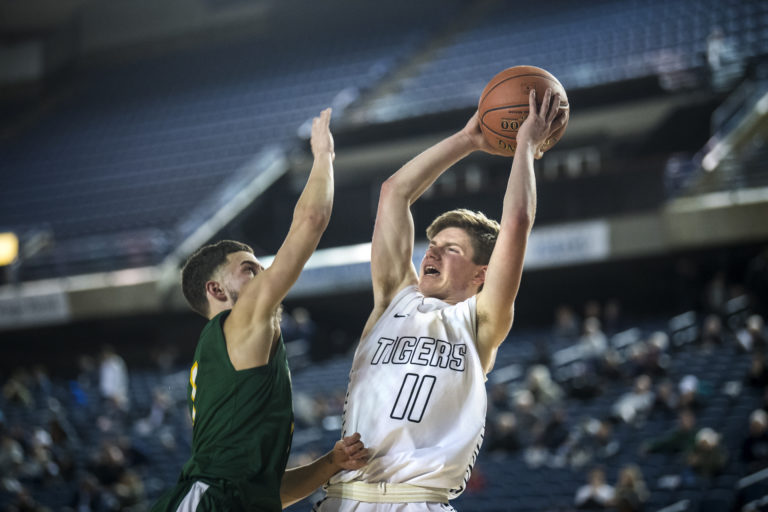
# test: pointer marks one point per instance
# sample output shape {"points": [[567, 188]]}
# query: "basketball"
{"points": [[504, 103]]}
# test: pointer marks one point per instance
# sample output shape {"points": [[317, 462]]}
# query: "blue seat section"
{"points": [[583, 44], [137, 145]]}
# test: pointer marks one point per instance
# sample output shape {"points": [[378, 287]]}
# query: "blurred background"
{"points": [[131, 133]]}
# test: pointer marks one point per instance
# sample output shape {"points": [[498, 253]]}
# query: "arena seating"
{"points": [[113, 167], [112, 172], [502, 478], [583, 45]]}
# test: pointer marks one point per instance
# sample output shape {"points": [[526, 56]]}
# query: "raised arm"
{"points": [[250, 329], [298, 483], [393, 234], [495, 302]]}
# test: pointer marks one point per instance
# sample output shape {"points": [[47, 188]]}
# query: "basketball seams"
{"points": [[539, 75]]}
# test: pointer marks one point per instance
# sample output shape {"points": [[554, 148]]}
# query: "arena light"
{"points": [[9, 248]]}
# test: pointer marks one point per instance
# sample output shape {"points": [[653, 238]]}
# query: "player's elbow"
{"points": [[393, 189], [314, 218], [521, 218]]}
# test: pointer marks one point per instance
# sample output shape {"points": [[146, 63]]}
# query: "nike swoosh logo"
{"points": [[398, 315]]}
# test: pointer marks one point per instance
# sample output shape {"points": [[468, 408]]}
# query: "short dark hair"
{"points": [[482, 231], [201, 266]]}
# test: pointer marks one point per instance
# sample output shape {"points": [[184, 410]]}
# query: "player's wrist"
{"points": [[323, 153], [465, 142], [330, 461], [527, 145]]}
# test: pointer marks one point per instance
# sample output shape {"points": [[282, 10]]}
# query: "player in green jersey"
{"points": [[240, 385]]}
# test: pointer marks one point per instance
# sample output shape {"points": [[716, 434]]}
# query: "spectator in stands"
{"points": [[39, 465], [566, 323], [592, 309], [757, 376], [129, 490], [594, 441], [498, 397], [113, 378], [593, 341], [108, 464], [708, 458], [528, 416], [726, 64], [545, 391], [89, 496], [690, 393], [11, 460], [679, 440], [716, 293], [711, 335], [666, 402], [611, 366], [754, 449], [554, 432], [16, 388], [25, 502], [503, 433], [41, 382], [649, 358], [631, 492], [161, 403], [584, 382], [635, 406], [752, 337], [596, 494]]}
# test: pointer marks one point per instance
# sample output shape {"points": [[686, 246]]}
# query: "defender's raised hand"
{"points": [[322, 140]]}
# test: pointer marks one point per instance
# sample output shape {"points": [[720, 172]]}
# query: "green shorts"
{"points": [[198, 496]]}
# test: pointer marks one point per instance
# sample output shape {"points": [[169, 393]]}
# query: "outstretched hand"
{"points": [[349, 453], [542, 121], [322, 140]]}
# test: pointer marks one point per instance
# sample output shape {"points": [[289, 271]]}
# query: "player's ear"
{"points": [[479, 277], [215, 290]]}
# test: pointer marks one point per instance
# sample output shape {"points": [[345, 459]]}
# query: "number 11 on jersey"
{"points": [[413, 397]]}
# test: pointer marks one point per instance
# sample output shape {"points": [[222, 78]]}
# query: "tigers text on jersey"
{"points": [[417, 394]]}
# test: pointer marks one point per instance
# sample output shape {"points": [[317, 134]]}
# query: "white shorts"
{"points": [[345, 505]]}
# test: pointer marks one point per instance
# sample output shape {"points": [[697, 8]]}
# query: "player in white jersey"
{"points": [[417, 385]]}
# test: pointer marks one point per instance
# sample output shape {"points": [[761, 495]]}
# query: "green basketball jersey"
{"points": [[242, 421]]}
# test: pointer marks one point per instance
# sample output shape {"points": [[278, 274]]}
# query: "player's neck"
{"points": [[451, 298], [217, 308]]}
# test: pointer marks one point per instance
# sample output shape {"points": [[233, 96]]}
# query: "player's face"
{"points": [[240, 268], [447, 270]]}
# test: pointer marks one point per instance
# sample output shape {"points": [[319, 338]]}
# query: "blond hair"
{"points": [[482, 231]]}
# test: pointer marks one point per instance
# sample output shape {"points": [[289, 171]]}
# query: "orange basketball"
{"points": [[504, 105]]}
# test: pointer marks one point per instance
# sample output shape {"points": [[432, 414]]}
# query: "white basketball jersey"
{"points": [[417, 395]]}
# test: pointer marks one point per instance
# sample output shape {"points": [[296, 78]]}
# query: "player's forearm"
{"points": [[420, 172], [520, 197], [300, 482], [316, 200]]}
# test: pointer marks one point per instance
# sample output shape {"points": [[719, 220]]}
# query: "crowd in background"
{"points": [[108, 466]]}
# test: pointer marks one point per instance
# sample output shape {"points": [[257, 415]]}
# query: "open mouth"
{"points": [[429, 270]]}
